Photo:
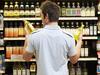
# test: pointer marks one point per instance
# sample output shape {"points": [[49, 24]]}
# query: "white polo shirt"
{"points": [[51, 47]]}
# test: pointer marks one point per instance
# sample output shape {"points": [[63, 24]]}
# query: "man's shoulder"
{"points": [[68, 34], [36, 31]]}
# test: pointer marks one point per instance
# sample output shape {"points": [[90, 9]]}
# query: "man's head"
{"points": [[49, 12]]}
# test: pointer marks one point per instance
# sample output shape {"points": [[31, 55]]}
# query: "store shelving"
{"points": [[1, 48], [84, 38], [9, 60], [18, 38], [90, 38], [34, 60], [61, 18]]}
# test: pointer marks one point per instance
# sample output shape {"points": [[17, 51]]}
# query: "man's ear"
{"points": [[46, 18]]}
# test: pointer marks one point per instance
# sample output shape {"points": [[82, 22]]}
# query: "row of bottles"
{"points": [[76, 9], [14, 48], [90, 28], [14, 29], [77, 69], [21, 9], [2, 61], [84, 49], [24, 69]]}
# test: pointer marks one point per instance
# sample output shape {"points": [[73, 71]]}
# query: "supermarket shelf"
{"points": [[90, 38], [9, 60], [1, 48], [98, 12], [98, 32], [23, 38], [29, 18], [61, 18], [87, 59], [78, 18], [19, 38], [33, 60], [1, 28], [1, 71]]}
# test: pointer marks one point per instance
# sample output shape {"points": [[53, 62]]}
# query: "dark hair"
{"points": [[51, 9]]}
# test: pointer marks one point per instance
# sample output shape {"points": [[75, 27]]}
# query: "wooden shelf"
{"points": [[61, 18], [1, 71], [90, 38], [1, 48], [18, 38], [9, 60]]}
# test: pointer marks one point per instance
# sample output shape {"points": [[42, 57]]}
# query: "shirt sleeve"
{"points": [[30, 46], [72, 51]]}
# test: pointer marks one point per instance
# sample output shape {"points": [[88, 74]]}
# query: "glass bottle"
{"points": [[73, 12], [63, 9], [11, 9], [68, 9], [21, 30], [6, 11], [27, 12], [15, 29], [92, 10], [78, 9], [88, 11], [21, 12], [10, 31], [86, 49], [78, 69], [83, 10], [85, 72], [37, 10], [32, 10], [72, 70], [16, 9]]}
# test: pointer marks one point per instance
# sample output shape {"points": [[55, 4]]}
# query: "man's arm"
{"points": [[74, 58], [28, 53]]}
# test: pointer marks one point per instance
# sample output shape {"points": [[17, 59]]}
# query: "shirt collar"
{"points": [[52, 26]]}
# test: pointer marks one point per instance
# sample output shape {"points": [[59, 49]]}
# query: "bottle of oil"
{"points": [[16, 9], [6, 11], [37, 10], [63, 9], [78, 32], [21, 12], [11, 10]]}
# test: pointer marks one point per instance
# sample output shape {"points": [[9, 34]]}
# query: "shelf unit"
{"points": [[84, 38], [18, 38], [61, 18], [9, 60], [34, 60]]}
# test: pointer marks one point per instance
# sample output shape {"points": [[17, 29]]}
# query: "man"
{"points": [[51, 45]]}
